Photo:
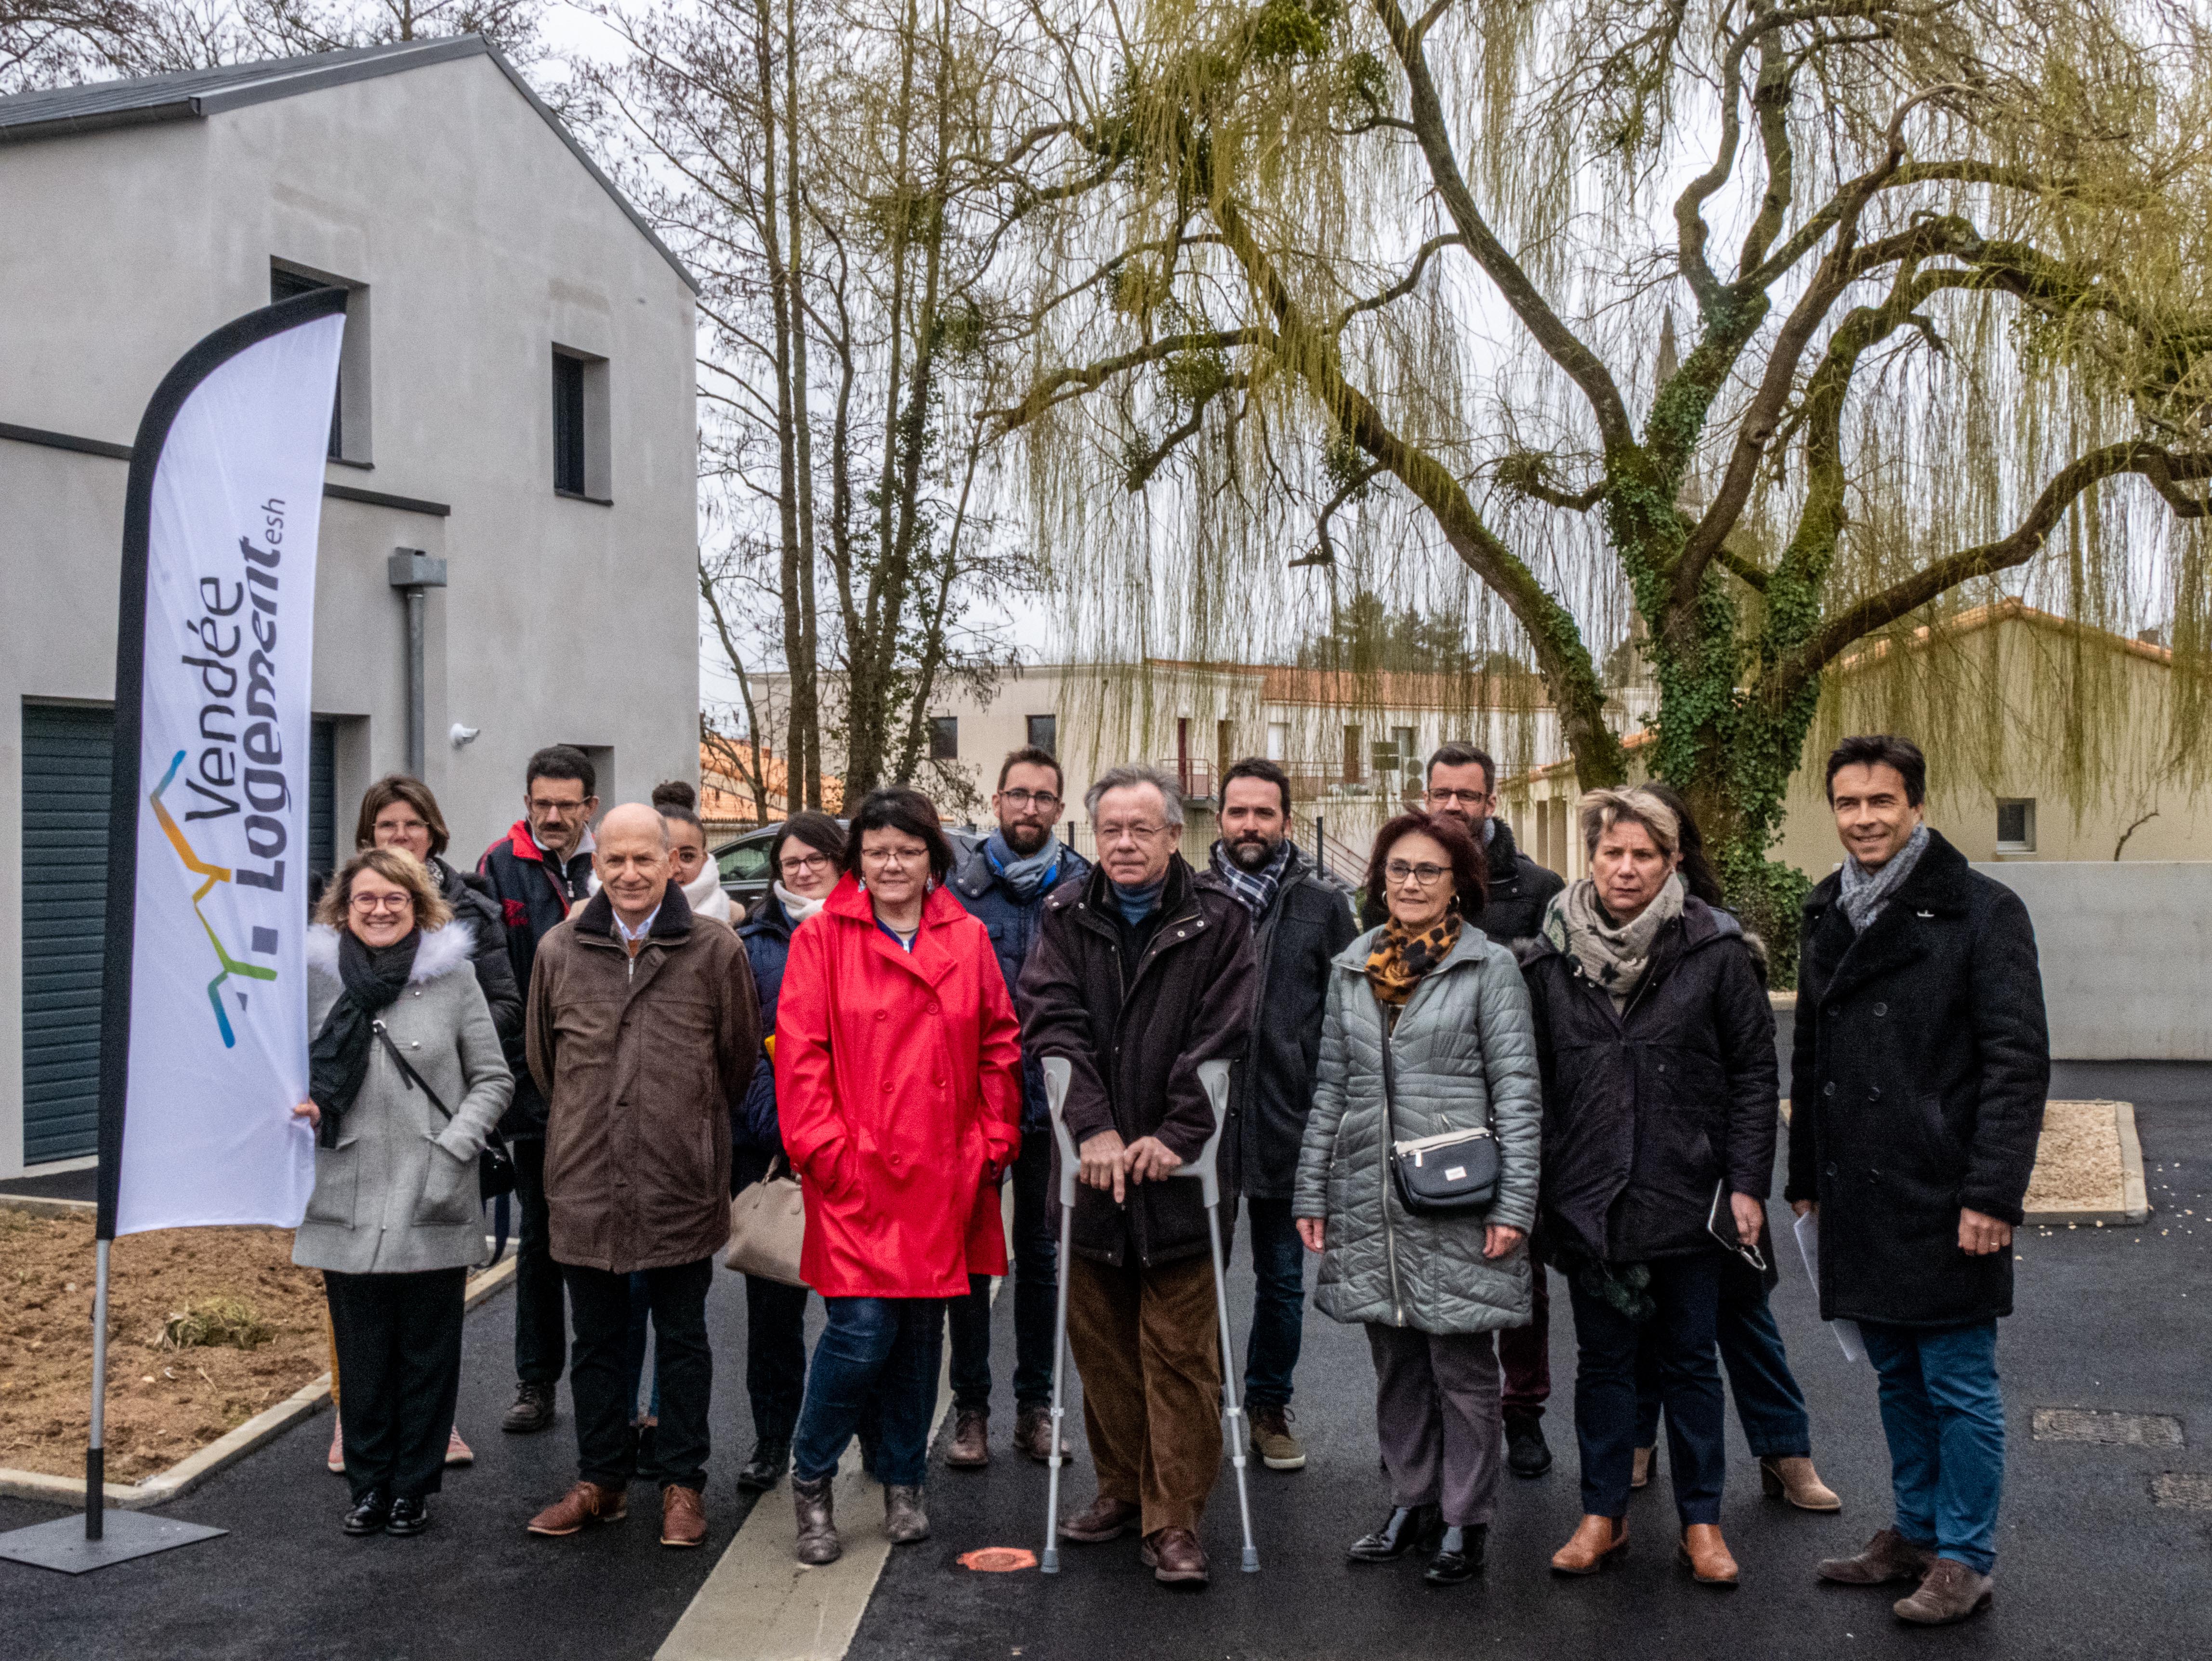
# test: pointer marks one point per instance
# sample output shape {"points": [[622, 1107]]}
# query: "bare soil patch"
{"points": [[163, 1403], [2077, 1165]]}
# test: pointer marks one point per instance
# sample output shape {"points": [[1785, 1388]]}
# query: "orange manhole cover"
{"points": [[998, 1560]]}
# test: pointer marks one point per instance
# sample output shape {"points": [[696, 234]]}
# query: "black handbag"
{"points": [[494, 1165], [1454, 1174]]}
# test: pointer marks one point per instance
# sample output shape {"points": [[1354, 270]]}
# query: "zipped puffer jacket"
{"points": [[1463, 1056]]}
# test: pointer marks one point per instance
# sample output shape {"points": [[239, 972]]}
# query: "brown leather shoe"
{"points": [[1597, 1542], [1176, 1558], [1639, 1473], [1033, 1435], [971, 1441], [1888, 1556], [1951, 1592], [1106, 1518], [683, 1517], [1795, 1480], [586, 1502], [1707, 1555]]}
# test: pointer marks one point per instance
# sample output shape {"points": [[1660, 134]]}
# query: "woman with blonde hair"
{"points": [[1656, 1042], [404, 1082]]}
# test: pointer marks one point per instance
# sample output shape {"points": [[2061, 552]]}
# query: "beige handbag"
{"points": [[768, 1228]]}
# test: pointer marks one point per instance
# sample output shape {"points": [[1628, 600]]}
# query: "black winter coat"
{"points": [[1647, 1110], [488, 957], [1916, 1088], [1271, 1094], [1518, 888], [1136, 1041], [534, 894]]}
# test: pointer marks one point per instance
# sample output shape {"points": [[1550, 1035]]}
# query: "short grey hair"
{"points": [[1600, 810], [1129, 778]]}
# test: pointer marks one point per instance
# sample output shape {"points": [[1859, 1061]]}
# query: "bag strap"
{"points": [[414, 1080]]}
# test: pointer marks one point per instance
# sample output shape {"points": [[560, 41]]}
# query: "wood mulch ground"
{"points": [[2077, 1165], [163, 1403]]}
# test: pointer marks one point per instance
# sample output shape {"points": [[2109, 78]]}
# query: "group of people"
{"points": [[1489, 1075]]}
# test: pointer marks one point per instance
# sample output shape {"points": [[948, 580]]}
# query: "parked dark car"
{"points": [[746, 876]]}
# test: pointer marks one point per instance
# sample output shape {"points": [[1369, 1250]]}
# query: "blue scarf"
{"points": [[1022, 879], [1256, 889], [1136, 904]]}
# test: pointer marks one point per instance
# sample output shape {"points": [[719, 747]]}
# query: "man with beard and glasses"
{"points": [[1003, 884], [1461, 785], [1301, 918]]}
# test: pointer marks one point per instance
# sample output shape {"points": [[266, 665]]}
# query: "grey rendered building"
{"points": [[516, 400]]}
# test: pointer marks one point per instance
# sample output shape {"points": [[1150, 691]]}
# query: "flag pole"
{"points": [[95, 1453]]}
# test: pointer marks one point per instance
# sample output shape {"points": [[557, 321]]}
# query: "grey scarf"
{"points": [[1866, 893], [1613, 955]]}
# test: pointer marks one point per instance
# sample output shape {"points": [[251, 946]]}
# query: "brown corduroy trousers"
{"points": [[1148, 1344]]}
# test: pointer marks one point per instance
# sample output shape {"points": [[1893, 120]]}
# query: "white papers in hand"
{"points": [[1808, 1247]]}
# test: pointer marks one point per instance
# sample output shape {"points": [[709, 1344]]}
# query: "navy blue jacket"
{"points": [[758, 1138], [1013, 927]]}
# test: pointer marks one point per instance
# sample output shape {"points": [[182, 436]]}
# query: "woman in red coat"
{"points": [[898, 1082]]}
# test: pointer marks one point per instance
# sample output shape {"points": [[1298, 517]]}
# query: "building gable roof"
{"points": [[195, 94]]}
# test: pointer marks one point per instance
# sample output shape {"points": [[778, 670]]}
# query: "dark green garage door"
{"points": [[67, 752]]}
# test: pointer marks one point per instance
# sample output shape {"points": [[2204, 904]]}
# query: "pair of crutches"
{"points": [[1214, 1076]]}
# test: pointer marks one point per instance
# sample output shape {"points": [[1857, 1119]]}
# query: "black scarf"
{"points": [[338, 1061]]}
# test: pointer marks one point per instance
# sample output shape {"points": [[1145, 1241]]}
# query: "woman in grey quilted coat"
{"points": [[1451, 1007], [394, 1222]]}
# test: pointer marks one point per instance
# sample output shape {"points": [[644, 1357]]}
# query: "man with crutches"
{"points": [[1141, 976]]}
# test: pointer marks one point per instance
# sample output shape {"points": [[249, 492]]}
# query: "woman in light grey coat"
{"points": [[395, 1222], [1449, 1006]]}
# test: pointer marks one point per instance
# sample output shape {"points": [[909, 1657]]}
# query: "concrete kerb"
{"points": [[227, 1450], [2134, 1193]]}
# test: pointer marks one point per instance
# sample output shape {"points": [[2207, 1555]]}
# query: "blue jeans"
{"points": [[1944, 1418], [1278, 1303], [1036, 1289], [1687, 1292], [884, 1350], [1768, 1403]]}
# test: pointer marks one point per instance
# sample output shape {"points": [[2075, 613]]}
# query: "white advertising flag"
{"points": [[205, 1036]]}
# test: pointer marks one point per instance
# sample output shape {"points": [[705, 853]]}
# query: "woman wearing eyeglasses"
{"points": [[899, 1087], [404, 1082], [1426, 1034], [1657, 1043], [805, 855]]}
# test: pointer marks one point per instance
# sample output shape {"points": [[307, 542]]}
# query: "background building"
{"points": [[515, 399]]}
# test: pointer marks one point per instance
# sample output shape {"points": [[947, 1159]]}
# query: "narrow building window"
{"points": [[2016, 825], [945, 738], [1044, 734], [580, 421]]}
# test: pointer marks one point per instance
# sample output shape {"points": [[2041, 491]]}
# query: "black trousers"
{"points": [[541, 1323], [598, 1380], [400, 1355], [775, 1356]]}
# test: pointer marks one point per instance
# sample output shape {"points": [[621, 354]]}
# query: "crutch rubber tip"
{"points": [[1049, 1563], [1251, 1559]]}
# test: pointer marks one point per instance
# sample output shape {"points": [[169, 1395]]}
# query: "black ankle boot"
{"points": [[1459, 1555], [766, 1468], [1407, 1529]]}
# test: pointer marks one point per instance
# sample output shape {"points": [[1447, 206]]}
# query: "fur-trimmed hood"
{"points": [[442, 951]]}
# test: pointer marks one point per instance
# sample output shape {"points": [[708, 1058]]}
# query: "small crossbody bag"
{"points": [[1454, 1174]]}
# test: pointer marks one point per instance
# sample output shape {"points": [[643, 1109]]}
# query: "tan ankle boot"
{"points": [[1706, 1555], [1795, 1480], [1597, 1542]]}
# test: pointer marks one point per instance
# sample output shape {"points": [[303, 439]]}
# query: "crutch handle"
{"points": [[1057, 1074], [1206, 1167]]}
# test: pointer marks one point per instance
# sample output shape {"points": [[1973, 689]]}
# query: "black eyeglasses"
{"points": [[1043, 801]]}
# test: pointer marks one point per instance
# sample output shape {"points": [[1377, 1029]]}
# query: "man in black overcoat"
{"points": [[1918, 1083]]}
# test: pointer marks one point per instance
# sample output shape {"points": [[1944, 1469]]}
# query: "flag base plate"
{"points": [[61, 1543]]}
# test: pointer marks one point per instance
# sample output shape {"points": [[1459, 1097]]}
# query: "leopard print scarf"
{"points": [[1401, 958]]}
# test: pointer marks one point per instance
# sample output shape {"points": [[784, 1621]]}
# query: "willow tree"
{"points": [[1937, 270]]}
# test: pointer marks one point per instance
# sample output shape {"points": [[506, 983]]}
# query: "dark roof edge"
{"points": [[310, 78], [561, 131]]}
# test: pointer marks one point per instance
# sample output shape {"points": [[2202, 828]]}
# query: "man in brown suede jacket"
{"points": [[643, 1029]]}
